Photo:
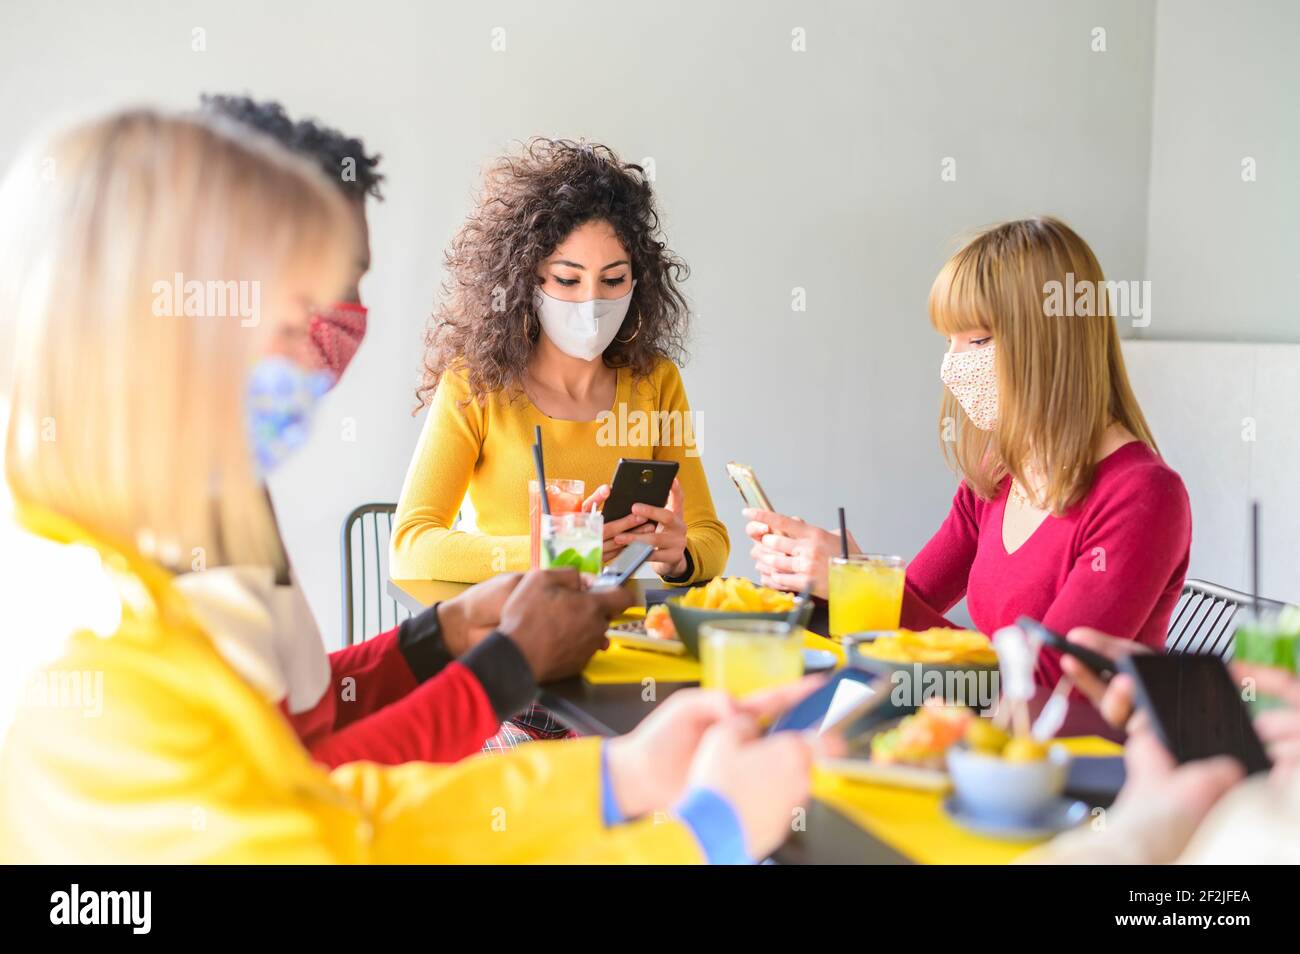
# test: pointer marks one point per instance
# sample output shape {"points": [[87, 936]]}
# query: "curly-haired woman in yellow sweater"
{"points": [[562, 309]]}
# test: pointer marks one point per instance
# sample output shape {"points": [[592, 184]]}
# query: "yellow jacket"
{"points": [[177, 759], [485, 449]]}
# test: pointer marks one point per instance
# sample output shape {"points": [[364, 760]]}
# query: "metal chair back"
{"points": [[367, 608], [1205, 619]]}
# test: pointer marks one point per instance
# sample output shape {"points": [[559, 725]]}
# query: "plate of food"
{"points": [[916, 750], [911, 752], [636, 634], [673, 625], [729, 597]]}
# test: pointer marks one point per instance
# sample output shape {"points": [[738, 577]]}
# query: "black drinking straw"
{"points": [[1254, 554], [541, 470], [844, 536]]}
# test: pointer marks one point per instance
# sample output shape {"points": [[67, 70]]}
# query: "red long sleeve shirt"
{"points": [[1114, 561], [399, 697]]}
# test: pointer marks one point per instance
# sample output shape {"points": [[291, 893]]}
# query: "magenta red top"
{"points": [[1115, 561]]}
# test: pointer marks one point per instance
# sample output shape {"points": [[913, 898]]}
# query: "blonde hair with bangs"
{"points": [[1061, 378], [124, 420]]}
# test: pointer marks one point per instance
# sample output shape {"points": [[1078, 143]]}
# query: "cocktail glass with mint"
{"points": [[572, 539], [1271, 639]]}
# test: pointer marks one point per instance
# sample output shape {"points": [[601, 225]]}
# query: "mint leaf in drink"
{"points": [[567, 557]]}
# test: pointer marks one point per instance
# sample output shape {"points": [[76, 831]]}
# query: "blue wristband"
{"points": [[610, 813], [713, 821]]}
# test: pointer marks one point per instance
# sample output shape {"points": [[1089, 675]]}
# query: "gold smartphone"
{"points": [[742, 475]]}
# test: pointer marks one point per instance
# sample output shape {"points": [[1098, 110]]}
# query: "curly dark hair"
{"points": [[325, 146], [531, 200]]}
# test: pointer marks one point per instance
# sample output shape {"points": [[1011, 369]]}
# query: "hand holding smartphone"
{"points": [[1101, 666], [751, 491], [1196, 708], [621, 568], [638, 481]]}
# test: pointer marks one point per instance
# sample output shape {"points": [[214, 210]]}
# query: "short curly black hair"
{"points": [[327, 147]]}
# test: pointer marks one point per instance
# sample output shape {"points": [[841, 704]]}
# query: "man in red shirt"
{"points": [[438, 686]]}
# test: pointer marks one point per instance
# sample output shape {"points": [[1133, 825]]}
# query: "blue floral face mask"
{"points": [[281, 399]]}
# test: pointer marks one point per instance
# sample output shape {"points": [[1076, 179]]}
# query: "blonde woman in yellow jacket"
{"points": [[166, 259]]}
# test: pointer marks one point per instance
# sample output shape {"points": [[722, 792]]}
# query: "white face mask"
{"points": [[972, 378], [582, 329]]}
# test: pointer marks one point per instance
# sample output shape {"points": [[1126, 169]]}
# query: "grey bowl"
{"points": [[927, 674]]}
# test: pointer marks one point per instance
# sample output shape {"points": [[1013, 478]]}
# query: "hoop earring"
{"points": [[634, 334]]}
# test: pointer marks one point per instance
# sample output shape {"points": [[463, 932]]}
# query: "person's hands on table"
{"points": [[653, 766], [764, 778], [557, 624], [465, 619], [668, 535], [790, 553]]}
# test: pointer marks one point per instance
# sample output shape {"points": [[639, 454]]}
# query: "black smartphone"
{"points": [[638, 481], [621, 568], [1101, 666], [1196, 708]]}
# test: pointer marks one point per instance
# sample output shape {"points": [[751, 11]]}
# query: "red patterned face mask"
{"points": [[336, 331]]}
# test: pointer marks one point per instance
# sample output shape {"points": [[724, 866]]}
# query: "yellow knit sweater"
{"points": [[486, 448]]}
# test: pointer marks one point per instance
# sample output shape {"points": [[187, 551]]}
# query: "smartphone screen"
{"points": [[621, 568], [842, 698], [742, 475], [1197, 708]]}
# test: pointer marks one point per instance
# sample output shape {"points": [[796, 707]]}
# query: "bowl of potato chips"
{"points": [[732, 597], [938, 649]]}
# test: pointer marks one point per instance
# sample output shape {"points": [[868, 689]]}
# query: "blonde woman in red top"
{"points": [[1065, 511]]}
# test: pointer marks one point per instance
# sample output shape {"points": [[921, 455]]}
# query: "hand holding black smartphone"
{"points": [[638, 481], [1196, 708], [1101, 666]]}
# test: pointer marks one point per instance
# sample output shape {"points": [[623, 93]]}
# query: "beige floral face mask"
{"points": [[972, 378]]}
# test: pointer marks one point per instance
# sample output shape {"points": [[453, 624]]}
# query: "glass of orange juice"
{"points": [[742, 656], [866, 593], [564, 496]]}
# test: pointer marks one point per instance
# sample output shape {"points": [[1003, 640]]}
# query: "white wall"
{"points": [[1224, 415], [1222, 259], [776, 169], [1222, 253]]}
